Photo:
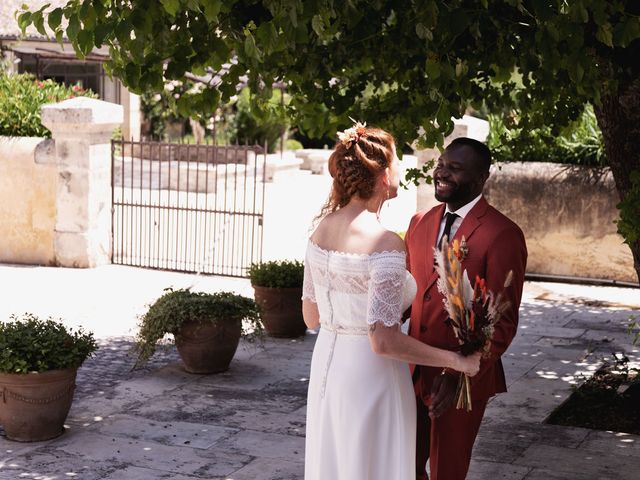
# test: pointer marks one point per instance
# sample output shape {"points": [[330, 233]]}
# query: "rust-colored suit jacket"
{"points": [[496, 245]]}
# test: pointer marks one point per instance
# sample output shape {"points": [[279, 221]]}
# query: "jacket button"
{"points": [[427, 297], [423, 328]]}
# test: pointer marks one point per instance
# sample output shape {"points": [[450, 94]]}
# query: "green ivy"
{"points": [[629, 222], [175, 307], [28, 344], [21, 99], [277, 274]]}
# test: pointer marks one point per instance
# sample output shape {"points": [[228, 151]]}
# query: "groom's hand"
{"points": [[443, 392]]}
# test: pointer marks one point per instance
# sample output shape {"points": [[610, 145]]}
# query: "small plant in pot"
{"points": [[278, 292], [206, 327], [39, 360]]}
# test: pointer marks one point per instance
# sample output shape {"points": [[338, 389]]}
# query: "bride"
{"points": [[361, 411]]}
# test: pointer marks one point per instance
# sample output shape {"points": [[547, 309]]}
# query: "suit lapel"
{"points": [[433, 226], [472, 220]]}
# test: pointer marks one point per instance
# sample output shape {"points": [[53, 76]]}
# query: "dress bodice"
{"points": [[353, 291]]}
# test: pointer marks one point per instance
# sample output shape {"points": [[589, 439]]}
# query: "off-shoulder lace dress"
{"points": [[361, 406]]}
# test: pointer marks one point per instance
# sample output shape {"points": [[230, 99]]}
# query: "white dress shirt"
{"points": [[461, 212]]}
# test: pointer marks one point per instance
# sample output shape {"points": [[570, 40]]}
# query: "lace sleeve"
{"points": [[387, 274], [308, 290]]}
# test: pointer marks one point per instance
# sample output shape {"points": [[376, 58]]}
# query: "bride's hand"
{"points": [[470, 365]]}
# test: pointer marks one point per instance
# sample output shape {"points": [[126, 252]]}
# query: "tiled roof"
{"points": [[9, 25]]}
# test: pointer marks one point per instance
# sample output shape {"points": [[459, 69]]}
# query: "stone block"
{"points": [[73, 250], [45, 152], [319, 161], [277, 165], [81, 111]]}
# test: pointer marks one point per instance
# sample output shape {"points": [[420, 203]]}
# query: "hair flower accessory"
{"points": [[353, 134]]}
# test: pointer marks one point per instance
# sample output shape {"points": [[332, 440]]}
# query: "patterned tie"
{"points": [[449, 218]]}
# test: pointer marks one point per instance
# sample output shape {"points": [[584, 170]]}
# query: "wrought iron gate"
{"points": [[187, 208]]}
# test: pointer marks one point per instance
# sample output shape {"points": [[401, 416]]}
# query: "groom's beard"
{"points": [[459, 194]]}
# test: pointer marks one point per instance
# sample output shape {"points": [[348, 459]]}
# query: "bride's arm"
{"points": [[391, 342], [384, 312], [310, 313]]}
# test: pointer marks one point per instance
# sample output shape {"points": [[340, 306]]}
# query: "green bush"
{"points": [[580, 143], [257, 126], [29, 344], [176, 307], [292, 144], [22, 97], [277, 274], [238, 122]]}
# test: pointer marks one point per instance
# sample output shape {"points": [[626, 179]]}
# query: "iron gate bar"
{"points": [[182, 228]]}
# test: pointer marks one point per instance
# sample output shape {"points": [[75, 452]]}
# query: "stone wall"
{"points": [[27, 201], [567, 214], [55, 195]]}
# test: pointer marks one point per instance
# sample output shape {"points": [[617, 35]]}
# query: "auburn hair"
{"points": [[355, 167]]}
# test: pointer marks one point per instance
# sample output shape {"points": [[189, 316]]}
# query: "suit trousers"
{"points": [[446, 441]]}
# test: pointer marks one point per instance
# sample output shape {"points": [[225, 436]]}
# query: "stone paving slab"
{"points": [[596, 464], [149, 454], [483, 470], [138, 473], [614, 442], [284, 469], [177, 434], [42, 464], [551, 474]]}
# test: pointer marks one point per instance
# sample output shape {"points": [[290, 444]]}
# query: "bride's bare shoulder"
{"points": [[321, 230], [390, 241]]}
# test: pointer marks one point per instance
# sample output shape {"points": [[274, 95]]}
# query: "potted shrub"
{"points": [[206, 327], [278, 293], [39, 360]]}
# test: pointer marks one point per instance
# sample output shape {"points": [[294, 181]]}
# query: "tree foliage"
{"points": [[424, 61], [580, 143], [401, 64]]}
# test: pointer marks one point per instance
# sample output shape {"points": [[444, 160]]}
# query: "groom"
{"points": [[495, 245]]}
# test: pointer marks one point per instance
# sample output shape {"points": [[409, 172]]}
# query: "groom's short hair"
{"points": [[480, 151]]}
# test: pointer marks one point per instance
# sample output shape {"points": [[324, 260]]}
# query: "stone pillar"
{"points": [[131, 121], [81, 129]]}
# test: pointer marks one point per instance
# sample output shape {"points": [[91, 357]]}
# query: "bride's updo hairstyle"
{"points": [[361, 155]]}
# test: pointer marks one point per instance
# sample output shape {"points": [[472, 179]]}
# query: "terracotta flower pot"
{"points": [[34, 406], [281, 310], [208, 347]]}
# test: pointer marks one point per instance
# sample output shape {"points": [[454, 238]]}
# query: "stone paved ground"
{"points": [[248, 423]]}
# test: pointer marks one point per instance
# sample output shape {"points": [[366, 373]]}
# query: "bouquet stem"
{"points": [[463, 393]]}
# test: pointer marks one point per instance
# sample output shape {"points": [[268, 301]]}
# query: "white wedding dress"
{"points": [[361, 412]]}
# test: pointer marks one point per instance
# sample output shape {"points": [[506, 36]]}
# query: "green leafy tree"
{"points": [[400, 64]]}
